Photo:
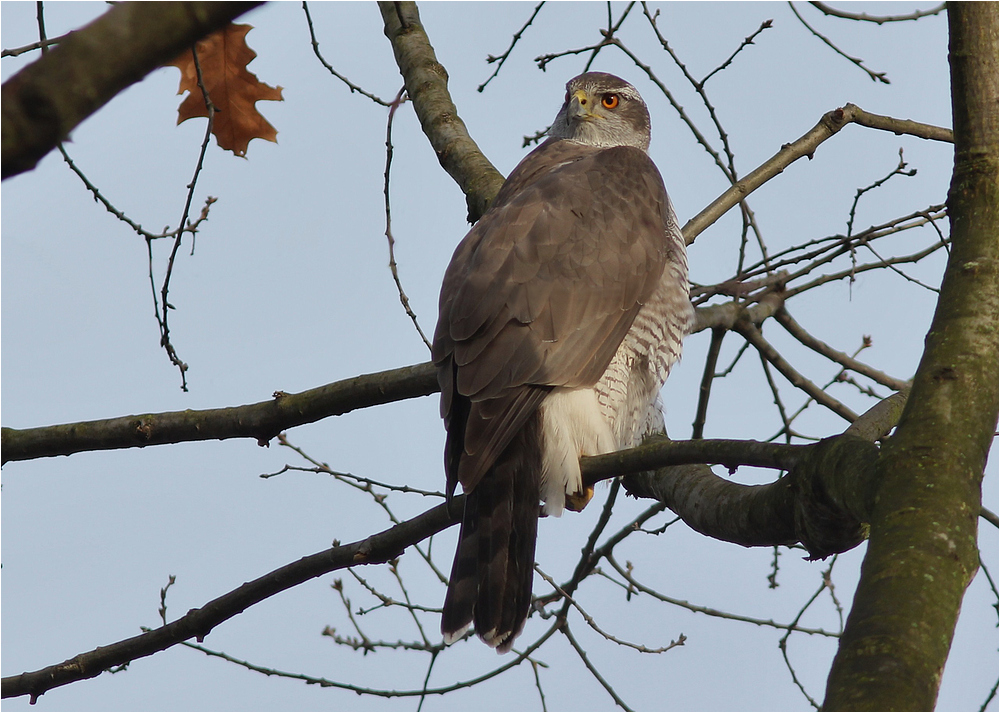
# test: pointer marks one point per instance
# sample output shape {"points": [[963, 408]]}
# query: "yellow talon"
{"points": [[578, 501]]}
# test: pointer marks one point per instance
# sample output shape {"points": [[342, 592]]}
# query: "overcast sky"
{"points": [[288, 288]]}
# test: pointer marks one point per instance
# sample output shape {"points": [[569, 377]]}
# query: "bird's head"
{"points": [[602, 110]]}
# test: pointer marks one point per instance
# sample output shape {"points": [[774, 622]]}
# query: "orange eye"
{"points": [[609, 101]]}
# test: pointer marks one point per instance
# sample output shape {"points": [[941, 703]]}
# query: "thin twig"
{"points": [[588, 560], [503, 58], [749, 223], [991, 696], [708, 611], [538, 684], [609, 33], [564, 628], [162, 308], [365, 485], [765, 25], [881, 264], [820, 347], [608, 38], [753, 335], [393, 267], [783, 645], [786, 422], [875, 76], [900, 170], [315, 45], [394, 568], [641, 648], [42, 45]]}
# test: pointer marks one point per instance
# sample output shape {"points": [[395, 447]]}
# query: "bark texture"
{"points": [[47, 99], [922, 552], [427, 86], [262, 421]]}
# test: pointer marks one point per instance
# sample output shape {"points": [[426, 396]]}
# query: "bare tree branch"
{"points": [[503, 58], [197, 623], [753, 335], [329, 67], [877, 19], [835, 355], [929, 476], [427, 86], [46, 100], [875, 76], [806, 145], [261, 421]]}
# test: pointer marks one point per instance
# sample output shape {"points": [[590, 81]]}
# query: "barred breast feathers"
{"points": [[624, 405]]}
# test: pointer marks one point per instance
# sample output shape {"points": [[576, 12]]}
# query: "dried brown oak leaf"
{"points": [[223, 57]]}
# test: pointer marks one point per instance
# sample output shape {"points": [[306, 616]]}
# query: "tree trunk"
{"points": [[922, 552]]}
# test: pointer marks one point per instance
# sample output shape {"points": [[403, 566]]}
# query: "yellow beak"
{"points": [[582, 107]]}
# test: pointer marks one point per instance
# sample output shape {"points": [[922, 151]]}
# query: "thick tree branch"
{"points": [[923, 548], [264, 420], [797, 507], [769, 513], [46, 100], [821, 502], [427, 86]]}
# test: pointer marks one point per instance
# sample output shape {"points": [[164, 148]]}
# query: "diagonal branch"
{"points": [[197, 623], [806, 145], [821, 347], [503, 58], [857, 61], [752, 334], [427, 86], [773, 510]]}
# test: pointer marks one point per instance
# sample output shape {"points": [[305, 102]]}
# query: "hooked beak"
{"points": [[581, 107]]}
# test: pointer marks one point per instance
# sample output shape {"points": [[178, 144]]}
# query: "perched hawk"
{"points": [[561, 314]]}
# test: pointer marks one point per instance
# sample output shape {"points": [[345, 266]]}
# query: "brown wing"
{"points": [[542, 291]]}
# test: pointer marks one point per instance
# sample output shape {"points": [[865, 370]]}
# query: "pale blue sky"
{"points": [[288, 289]]}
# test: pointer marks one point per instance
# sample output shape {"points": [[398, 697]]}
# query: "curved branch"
{"points": [[877, 19], [197, 623], [660, 451], [46, 100], [821, 502], [426, 83]]}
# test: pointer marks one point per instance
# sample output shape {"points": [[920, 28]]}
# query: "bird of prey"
{"points": [[561, 314]]}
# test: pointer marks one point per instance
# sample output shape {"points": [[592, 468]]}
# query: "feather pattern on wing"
{"points": [[560, 316]]}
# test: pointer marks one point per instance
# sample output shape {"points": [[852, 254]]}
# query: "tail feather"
{"points": [[492, 574]]}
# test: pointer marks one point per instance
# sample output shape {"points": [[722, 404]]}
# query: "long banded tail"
{"points": [[491, 578]]}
